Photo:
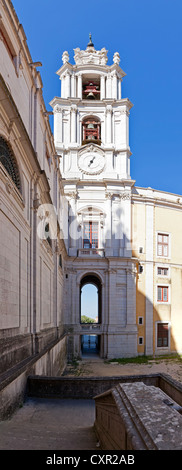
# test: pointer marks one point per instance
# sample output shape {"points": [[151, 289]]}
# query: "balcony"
{"points": [[90, 327], [91, 253]]}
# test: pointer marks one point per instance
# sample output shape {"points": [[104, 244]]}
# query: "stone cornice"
{"points": [[154, 200]]}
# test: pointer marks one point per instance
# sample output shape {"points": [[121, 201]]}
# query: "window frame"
{"points": [[90, 223], [164, 234], [142, 341], [162, 348], [163, 286], [161, 266]]}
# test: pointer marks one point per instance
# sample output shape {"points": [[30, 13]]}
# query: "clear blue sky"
{"points": [[89, 301], [148, 36]]}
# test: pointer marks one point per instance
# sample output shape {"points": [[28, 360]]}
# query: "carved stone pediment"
{"points": [[90, 56]]}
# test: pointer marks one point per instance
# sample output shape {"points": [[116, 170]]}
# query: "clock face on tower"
{"points": [[91, 163]]}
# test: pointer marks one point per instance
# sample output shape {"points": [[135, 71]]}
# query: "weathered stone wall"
{"points": [[13, 383], [139, 417]]}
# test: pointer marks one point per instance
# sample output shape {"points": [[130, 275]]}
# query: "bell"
{"points": [[90, 95]]}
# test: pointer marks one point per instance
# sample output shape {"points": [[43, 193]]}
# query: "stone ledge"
{"points": [[13, 382], [81, 387], [139, 417]]}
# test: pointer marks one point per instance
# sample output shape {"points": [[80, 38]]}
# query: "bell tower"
{"points": [[91, 132]]}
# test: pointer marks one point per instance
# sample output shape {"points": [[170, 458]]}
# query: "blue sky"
{"points": [[148, 36], [89, 301]]}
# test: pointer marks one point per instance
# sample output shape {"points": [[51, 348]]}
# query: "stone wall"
{"points": [[81, 387], [138, 417], [13, 383]]}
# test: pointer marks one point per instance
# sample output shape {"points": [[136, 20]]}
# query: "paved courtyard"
{"points": [[43, 424]]}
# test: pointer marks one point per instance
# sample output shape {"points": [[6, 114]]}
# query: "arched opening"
{"points": [[9, 162], [89, 304], [91, 130], [90, 313], [91, 298]]}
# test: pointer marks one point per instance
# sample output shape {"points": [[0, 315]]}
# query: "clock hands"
{"points": [[91, 161]]}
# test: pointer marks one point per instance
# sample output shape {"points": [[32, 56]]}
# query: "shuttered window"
{"points": [[162, 335], [162, 245], [162, 271], [162, 293]]}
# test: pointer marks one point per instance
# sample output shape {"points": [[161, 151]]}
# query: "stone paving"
{"points": [[43, 424]]}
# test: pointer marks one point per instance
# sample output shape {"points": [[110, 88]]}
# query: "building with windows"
{"points": [[31, 277], [123, 239], [71, 216]]}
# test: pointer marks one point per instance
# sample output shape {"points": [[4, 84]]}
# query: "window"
{"points": [[91, 89], [91, 131], [60, 261], [162, 271], [140, 320], [140, 340], [162, 335], [162, 293], [47, 234], [9, 162], [90, 236], [162, 244]]}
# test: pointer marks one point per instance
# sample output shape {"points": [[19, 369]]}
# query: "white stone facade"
{"points": [[70, 214], [31, 281], [97, 185]]}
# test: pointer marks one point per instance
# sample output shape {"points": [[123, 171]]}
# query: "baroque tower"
{"points": [[91, 133]]}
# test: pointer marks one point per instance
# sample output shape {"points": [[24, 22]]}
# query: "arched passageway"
{"points": [[90, 312]]}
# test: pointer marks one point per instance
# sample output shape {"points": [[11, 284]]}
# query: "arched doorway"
{"points": [[90, 313]]}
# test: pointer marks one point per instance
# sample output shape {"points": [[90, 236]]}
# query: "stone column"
{"points": [[131, 295], [63, 85], [102, 87], [114, 86], [108, 86], [108, 227], [149, 279], [58, 124], [108, 124], [119, 89], [73, 123], [80, 86], [73, 223], [112, 296], [73, 85], [67, 85], [126, 197]]}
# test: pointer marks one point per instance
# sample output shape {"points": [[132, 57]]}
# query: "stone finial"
{"points": [[65, 57], [116, 58]]}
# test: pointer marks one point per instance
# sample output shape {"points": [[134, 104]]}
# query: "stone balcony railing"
{"points": [[90, 327], [91, 252]]}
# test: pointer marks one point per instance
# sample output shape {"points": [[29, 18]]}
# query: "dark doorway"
{"points": [[90, 345]]}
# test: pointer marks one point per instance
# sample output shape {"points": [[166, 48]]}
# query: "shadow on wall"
{"points": [[158, 321]]}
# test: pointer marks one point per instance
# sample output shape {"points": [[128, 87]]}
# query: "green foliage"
{"points": [[146, 359], [85, 319]]}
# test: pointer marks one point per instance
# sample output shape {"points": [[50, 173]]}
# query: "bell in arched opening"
{"points": [[91, 131]]}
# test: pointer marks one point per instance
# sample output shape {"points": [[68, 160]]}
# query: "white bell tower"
{"points": [[91, 132]]}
